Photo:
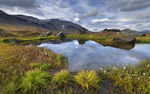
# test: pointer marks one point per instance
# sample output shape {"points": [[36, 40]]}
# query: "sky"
{"points": [[94, 15]]}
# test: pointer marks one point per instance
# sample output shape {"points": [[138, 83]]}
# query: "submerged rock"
{"points": [[125, 39]]}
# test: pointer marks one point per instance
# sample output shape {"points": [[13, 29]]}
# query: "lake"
{"points": [[92, 55]]}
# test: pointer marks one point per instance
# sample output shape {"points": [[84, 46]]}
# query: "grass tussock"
{"points": [[35, 80], [87, 79], [61, 77]]}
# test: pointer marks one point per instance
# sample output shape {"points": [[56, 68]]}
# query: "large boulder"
{"points": [[132, 32], [61, 35], [48, 33], [125, 39]]}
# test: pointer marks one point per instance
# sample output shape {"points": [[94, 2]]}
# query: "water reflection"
{"points": [[93, 55]]}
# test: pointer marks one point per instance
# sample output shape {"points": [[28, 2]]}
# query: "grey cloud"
{"points": [[60, 4], [136, 5], [127, 5], [19, 3], [92, 13]]}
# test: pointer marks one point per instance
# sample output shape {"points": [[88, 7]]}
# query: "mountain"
{"points": [[49, 24], [146, 32], [124, 32], [132, 32]]}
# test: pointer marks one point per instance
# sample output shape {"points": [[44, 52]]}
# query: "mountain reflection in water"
{"points": [[92, 55]]}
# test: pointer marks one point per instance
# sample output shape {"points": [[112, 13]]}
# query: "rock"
{"points": [[2, 30], [125, 39], [82, 31], [132, 32], [48, 33], [13, 40], [81, 41], [61, 35]]}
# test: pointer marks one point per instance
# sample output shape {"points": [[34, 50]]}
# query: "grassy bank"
{"points": [[33, 70], [29, 36], [144, 39], [27, 40]]}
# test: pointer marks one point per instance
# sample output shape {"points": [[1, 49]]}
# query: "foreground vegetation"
{"points": [[33, 70]]}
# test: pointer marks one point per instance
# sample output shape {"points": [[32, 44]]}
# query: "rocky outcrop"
{"points": [[82, 31], [125, 39], [131, 32]]}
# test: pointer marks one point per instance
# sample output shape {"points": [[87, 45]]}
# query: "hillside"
{"points": [[54, 25]]}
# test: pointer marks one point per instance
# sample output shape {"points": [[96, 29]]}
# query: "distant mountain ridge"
{"points": [[145, 31], [50, 24]]}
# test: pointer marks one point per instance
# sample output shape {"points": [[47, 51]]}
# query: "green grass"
{"points": [[42, 66], [143, 39], [87, 79]]}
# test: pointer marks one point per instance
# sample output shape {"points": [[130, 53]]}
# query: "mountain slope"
{"points": [[146, 32], [49, 24]]}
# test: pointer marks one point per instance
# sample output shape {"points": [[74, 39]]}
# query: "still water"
{"points": [[92, 55]]}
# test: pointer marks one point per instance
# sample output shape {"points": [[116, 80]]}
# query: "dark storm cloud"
{"points": [[19, 3]]}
